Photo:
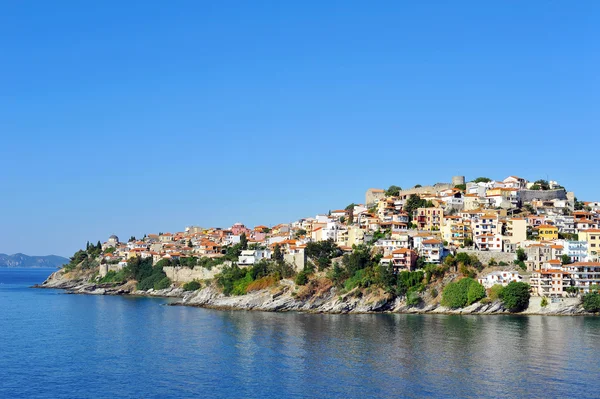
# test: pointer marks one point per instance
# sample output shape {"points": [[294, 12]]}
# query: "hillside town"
{"points": [[535, 232]]}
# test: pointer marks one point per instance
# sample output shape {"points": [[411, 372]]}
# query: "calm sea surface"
{"points": [[54, 345]]}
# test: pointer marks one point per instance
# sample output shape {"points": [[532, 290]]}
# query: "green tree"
{"points": [[565, 259], [521, 255], [243, 242], [192, 286], [475, 293], [327, 249], [337, 275], [482, 180], [300, 232], [515, 296], [541, 184], [302, 278], [591, 302], [462, 293], [277, 253], [393, 191]]}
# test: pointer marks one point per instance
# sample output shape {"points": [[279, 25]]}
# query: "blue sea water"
{"points": [[55, 345]]}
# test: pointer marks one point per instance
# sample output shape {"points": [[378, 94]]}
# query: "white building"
{"points": [[500, 277], [250, 257]]}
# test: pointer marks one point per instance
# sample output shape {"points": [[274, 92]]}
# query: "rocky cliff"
{"points": [[287, 296]]}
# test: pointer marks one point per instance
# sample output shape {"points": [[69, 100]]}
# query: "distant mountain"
{"points": [[22, 260]]}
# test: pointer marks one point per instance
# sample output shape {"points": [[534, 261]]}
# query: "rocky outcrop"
{"points": [[286, 296]]}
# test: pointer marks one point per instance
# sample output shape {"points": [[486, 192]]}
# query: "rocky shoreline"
{"points": [[283, 298]]}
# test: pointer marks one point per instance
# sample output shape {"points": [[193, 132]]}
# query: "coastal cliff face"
{"points": [[286, 296]]}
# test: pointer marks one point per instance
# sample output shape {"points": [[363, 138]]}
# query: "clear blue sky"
{"points": [[133, 117]]}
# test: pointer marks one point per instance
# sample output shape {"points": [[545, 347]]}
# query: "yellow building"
{"points": [[592, 237], [547, 232]]}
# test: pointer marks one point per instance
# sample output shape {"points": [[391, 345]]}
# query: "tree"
{"points": [[482, 180], [302, 278], [350, 214], [565, 259], [475, 292], [462, 187], [342, 220], [521, 255], [591, 302], [393, 191], [357, 260], [417, 186], [277, 253], [327, 249], [541, 185], [132, 239], [515, 296], [462, 293], [243, 242], [99, 246], [300, 232]]}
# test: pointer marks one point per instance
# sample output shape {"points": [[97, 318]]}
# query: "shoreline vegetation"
{"points": [[322, 296]]}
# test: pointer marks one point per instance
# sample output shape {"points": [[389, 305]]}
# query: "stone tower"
{"points": [[458, 180]]}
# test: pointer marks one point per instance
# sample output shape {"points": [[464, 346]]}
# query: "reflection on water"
{"points": [[61, 346]]}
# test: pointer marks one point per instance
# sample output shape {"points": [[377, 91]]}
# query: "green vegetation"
{"points": [[87, 259], [565, 259], [236, 281], [114, 277], [464, 263], [540, 185], [544, 302], [393, 191], [495, 292], [414, 202], [462, 293], [302, 278], [482, 180], [521, 258], [434, 271], [193, 285], [145, 274], [300, 232], [515, 296], [591, 302]]}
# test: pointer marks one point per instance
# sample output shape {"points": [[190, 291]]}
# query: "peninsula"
{"points": [[484, 246]]}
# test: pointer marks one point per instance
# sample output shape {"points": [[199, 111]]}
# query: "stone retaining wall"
{"points": [[486, 256]]}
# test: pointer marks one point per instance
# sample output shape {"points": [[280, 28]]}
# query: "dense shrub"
{"points": [[302, 278], [462, 293], [114, 277], [407, 280], [515, 296], [150, 281], [240, 287], [192, 286], [591, 302], [413, 298], [475, 293], [163, 284], [495, 292]]}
